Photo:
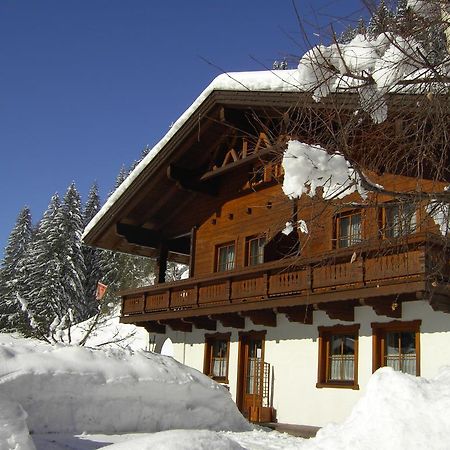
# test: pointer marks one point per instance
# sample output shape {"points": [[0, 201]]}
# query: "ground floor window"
{"points": [[217, 349], [338, 356], [397, 345]]}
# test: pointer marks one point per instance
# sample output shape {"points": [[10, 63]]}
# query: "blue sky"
{"points": [[86, 84]]}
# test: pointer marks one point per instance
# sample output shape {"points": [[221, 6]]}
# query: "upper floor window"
{"points": [[399, 219], [216, 356], [226, 256], [338, 356], [255, 250], [348, 229], [396, 345]]}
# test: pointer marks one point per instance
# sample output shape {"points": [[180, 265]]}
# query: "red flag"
{"points": [[100, 292]]}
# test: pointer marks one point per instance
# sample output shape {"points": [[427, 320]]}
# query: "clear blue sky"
{"points": [[86, 84]]}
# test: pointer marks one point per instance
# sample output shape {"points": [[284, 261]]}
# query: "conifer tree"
{"points": [[11, 314], [44, 297], [72, 261], [92, 257], [382, 21]]}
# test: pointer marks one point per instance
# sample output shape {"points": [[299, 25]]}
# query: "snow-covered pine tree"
{"points": [[72, 262], [92, 257], [144, 153], [382, 20], [43, 292], [11, 315]]}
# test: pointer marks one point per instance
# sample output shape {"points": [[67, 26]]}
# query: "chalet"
{"points": [[293, 321]]}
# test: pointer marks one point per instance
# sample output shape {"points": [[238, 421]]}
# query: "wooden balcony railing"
{"points": [[373, 265]]}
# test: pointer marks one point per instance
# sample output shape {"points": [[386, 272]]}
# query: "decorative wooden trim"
{"points": [[325, 334], [177, 325], [154, 327], [378, 335], [264, 317], [230, 320], [202, 323], [300, 314], [341, 310]]}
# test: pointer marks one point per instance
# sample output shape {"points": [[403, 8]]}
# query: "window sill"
{"points": [[338, 386]]}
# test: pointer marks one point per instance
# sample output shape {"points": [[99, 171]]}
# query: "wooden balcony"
{"points": [[379, 274]]}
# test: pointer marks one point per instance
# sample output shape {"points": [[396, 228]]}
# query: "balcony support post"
{"points": [[161, 263]]}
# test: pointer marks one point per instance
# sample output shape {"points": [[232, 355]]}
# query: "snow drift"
{"points": [[68, 389], [397, 411], [180, 440], [14, 434]]}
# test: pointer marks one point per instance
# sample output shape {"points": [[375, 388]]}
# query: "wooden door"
{"points": [[250, 376]]}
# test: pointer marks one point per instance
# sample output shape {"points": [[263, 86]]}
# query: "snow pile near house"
{"points": [[75, 389], [397, 411], [106, 331], [179, 440], [14, 434], [308, 167]]}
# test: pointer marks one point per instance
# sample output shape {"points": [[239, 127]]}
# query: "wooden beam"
{"points": [[264, 317], [389, 306], [154, 327], [177, 325], [440, 302], [193, 243], [229, 320], [188, 180], [250, 159], [202, 323], [138, 235], [344, 310], [161, 263], [300, 314]]}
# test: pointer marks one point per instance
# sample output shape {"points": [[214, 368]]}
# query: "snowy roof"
{"points": [[367, 67], [259, 81]]}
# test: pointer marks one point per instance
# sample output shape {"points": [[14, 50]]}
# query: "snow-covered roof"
{"points": [[368, 67], [258, 81]]}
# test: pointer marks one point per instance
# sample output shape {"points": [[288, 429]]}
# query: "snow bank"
{"points": [[398, 411], [14, 433], [75, 389], [108, 332], [179, 440], [307, 167]]}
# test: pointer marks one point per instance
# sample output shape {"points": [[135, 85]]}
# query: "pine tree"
{"points": [[382, 21], [43, 296], [144, 153], [72, 262], [92, 257], [11, 314]]}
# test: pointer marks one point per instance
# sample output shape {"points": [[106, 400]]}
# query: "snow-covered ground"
{"points": [[77, 398]]}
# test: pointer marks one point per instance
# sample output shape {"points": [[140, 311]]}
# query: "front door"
{"points": [[250, 376]]}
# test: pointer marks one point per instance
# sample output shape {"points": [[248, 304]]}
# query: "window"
{"points": [[338, 356], [348, 229], [225, 257], [255, 250], [399, 219], [216, 356], [396, 344]]}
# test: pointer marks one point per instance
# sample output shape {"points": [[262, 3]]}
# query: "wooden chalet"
{"points": [[282, 317]]}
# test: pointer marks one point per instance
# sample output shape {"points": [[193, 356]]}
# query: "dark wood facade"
{"points": [[215, 186]]}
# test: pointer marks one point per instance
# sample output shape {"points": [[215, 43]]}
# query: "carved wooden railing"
{"points": [[373, 264]]}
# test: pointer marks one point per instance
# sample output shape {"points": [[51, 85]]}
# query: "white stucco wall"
{"points": [[292, 350]]}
